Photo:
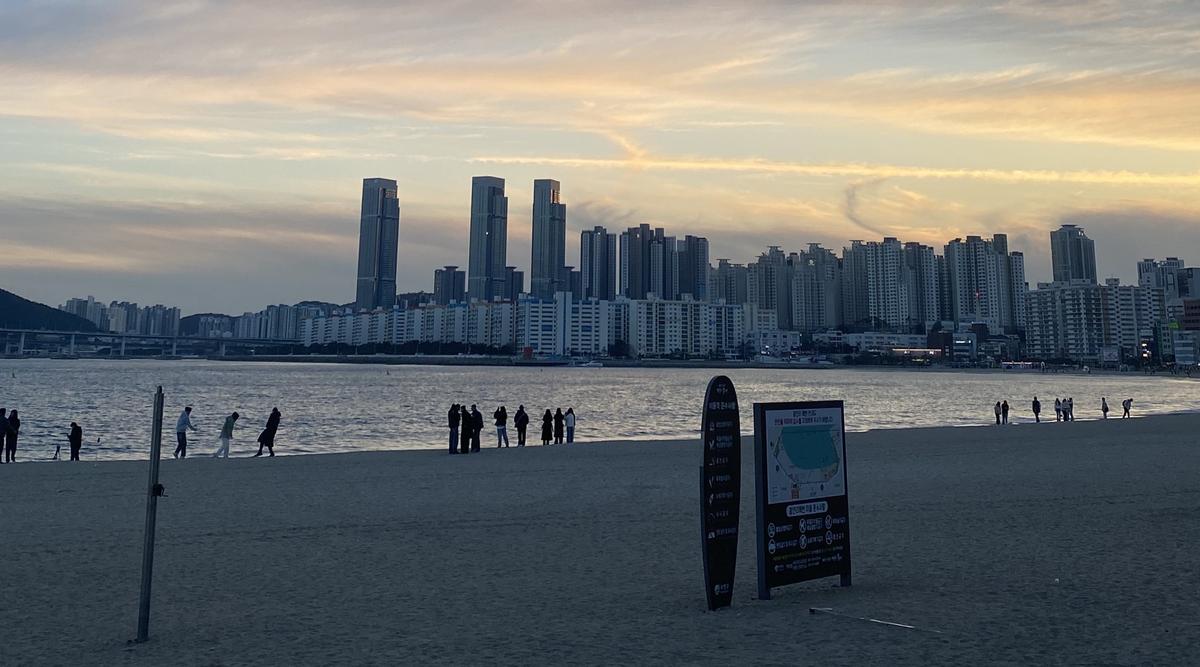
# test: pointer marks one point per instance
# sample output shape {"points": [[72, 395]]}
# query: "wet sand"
{"points": [[1053, 543]]}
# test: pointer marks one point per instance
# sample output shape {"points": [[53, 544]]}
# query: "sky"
{"points": [[211, 154]]}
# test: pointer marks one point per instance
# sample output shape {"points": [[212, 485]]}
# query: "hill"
{"points": [[19, 313]]}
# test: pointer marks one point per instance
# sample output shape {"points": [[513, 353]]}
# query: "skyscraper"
{"points": [[378, 239], [729, 283], [1072, 255], [986, 283], [816, 290], [598, 264], [769, 285], [449, 285], [489, 239], [693, 267], [549, 240]]}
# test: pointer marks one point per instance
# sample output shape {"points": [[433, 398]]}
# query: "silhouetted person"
{"points": [[75, 439], [4, 429], [501, 417], [997, 410], [267, 437], [10, 444], [181, 428], [453, 419], [477, 424], [1126, 405], [1004, 412], [1037, 410], [547, 427], [558, 426], [1070, 408], [521, 421], [1058, 409], [226, 436], [569, 420], [1104, 406], [466, 430]]}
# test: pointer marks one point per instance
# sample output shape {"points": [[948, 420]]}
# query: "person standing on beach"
{"points": [[453, 419], [1004, 411], [1037, 410], [1104, 406], [997, 410], [1125, 407], [75, 439], [10, 443], [501, 417], [467, 428], [547, 427], [558, 426], [521, 421], [477, 427], [3, 432], [1070, 408], [569, 420], [226, 436], [181, 428], [1058, 409], [267, 437]]}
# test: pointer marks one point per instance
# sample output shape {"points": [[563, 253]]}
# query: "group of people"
{"points": [[10, 429], [466, 427], [1064, 409], [265, 439]]}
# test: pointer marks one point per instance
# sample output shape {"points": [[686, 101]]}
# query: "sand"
{"points": [[1057, 543]]}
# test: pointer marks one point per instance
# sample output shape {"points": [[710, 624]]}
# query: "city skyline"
{"points": [[201, 154]]}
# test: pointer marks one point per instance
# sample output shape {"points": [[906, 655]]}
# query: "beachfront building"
{"points": [[488, 249], [597, 265], [687, 328], [378, 242], [1072, 255], [769, 285], [728, 283], [816, 290], [985, 283], [548, 255], [1085, 322]]}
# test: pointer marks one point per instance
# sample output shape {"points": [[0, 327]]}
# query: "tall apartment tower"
{"points": [[488, 251], [549, 239], [449, 285], [816, 290], [986, 283], [924, 292], [1072, 255], [598, 264], [769, 285], [693, 267], [378, 241], [729, 283]]}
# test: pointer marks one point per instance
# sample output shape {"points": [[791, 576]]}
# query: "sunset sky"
{"points": [[211, 154]]}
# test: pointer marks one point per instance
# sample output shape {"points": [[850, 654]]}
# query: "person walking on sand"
{"points": [[267, 437], [1037, 410], [521, 421], [547, 427], [1058, 409], [558, 426], [453, 419], [181, 428], [467, 428], [569, 420], [75, 439], [1125, 407], [226, 436], [1104, 406], [997, 410], [1004, 412], [501, 417], [477, 427], [10, 444]]}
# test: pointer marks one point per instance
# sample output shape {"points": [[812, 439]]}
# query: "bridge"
{"points": [[21, 341]]}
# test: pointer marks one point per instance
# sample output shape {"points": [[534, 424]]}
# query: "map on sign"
{"points": [[804, 454]]}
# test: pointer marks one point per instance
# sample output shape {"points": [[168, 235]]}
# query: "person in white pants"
{"points": [[226, 436]]}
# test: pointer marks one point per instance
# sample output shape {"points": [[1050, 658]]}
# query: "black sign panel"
{"points": [[800, 482], [720, 490]]}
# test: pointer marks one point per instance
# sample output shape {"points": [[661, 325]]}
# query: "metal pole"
{"points": [[153, 491]]}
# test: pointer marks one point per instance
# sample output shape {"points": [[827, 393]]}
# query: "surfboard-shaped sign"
{"points": [[720, 490]]}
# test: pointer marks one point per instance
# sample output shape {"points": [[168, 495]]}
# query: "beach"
{"points": [[1051, 543]]}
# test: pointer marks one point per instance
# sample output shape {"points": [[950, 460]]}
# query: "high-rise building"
{"points": [[649, 263], [549, 239], [598, 264], [378, 241], [449, 285], [1072, 255], [986, 283], [816, 290], [1163, 274], [693, 267], [728, 283], [489, 239], [920, 265], [1082, 321], [514, 284], [769, 285]]}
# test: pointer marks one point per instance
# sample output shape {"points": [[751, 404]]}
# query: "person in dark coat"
{"points": [[521, 421], [477, 422], [501, 417], [1004, 411], [267, 437], [1037, 410], [75, 439], [558, 426], [547, 427], [465, 431], [10, 443], [453, 419], [3, 432]]}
